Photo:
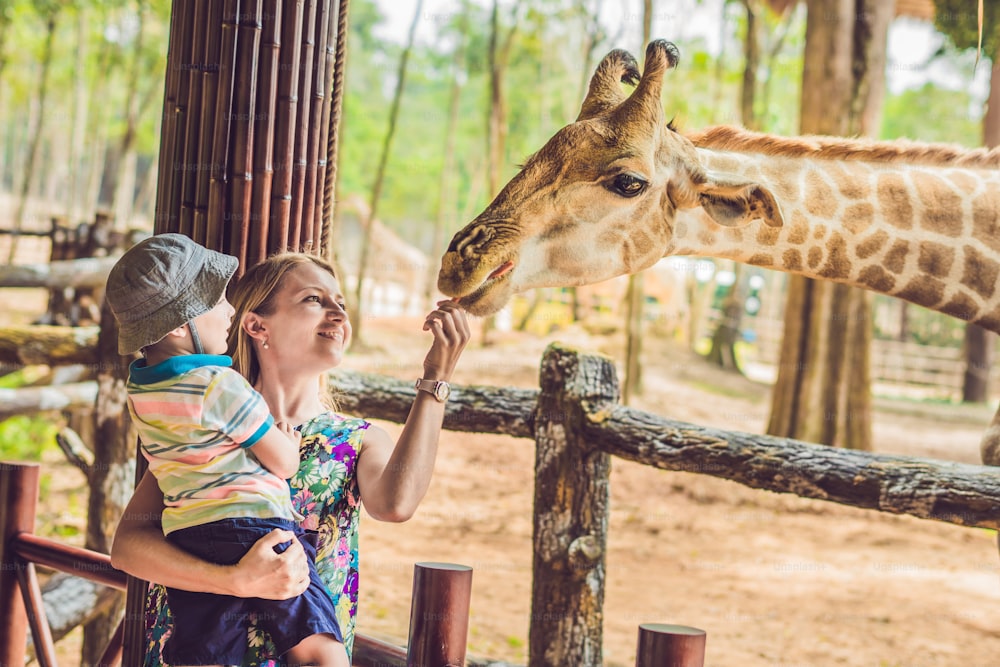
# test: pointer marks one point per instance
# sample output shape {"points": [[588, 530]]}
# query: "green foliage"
{"points": [[959, 21], [24, 438], [926, 114]]}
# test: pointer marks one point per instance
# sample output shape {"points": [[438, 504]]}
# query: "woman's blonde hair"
{"points": [[254, 292]]}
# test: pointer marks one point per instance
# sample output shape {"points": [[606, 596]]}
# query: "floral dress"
{"points": [[325, 493]]}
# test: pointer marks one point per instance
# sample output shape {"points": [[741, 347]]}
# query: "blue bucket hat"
{"points": [[162, 283]]}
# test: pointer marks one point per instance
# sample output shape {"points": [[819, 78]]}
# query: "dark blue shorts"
{"points": [[211, 629]]}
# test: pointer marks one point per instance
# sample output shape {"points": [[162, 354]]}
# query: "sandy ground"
{"points": [[774, 580]]}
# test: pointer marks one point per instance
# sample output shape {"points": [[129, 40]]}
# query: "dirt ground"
{"points": [[774, 580]]}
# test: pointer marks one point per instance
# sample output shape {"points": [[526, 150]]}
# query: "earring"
{"points": [[265, 345]]}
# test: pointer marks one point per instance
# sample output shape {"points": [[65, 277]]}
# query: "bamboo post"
{"points": [[571, 510], [263, 145], [662, 645], [301, 141], [439, 615], [328, 238], [188, 169], [223, 120], [284, 139], [202, 147], [238, 214], [310, 237], [18, 502]]}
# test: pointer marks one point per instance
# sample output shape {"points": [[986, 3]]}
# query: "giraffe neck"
{"points": [[927, 234]]}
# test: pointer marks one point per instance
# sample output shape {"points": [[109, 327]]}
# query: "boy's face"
{"points": [[213, 327]]}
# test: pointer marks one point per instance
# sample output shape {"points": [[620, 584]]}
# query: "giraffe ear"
{"points": [[734, 203]]}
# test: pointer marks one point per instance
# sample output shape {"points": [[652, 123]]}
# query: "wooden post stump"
{"points": [[662, 645], [571, 510], [439, 615], [18, 502]]}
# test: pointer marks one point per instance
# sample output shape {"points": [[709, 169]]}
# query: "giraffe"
{"points": [[620, 188]]}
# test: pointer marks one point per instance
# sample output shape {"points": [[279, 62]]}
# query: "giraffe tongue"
{"points": [[502, 269]]}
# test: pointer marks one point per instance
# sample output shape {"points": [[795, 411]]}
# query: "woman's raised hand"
{"points": [[451, 332]]}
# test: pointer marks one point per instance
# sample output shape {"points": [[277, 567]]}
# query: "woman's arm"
{"points": [[394, 479], [140, 549]]}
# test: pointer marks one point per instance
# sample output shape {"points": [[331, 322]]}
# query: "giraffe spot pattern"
{"points": [[776, 177], [961, 306], [942, 206], [852, 181], [935, 259], [838, 264], [895, 259], [923, 290], [963, 181], [872, 244], [819, 232], [858, 217], [813, 257], [894, 201], [821, 202], [767, 236], [761, 259], [792, 260], [980, 272], [798, 230], [877, 278], [986, 219]]}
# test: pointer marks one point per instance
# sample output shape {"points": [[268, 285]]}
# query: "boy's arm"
{"points": [[140, 549], [278, 450]]}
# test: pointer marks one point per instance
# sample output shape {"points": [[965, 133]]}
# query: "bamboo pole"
{"points": [[209, 94], [174, 110], [287, 112], [219, 170], [263, 147], [302, 127], [317, 106], [237, 217], [188, 166]]}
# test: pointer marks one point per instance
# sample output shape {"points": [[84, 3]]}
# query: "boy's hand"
{"points": [[290, 433]]}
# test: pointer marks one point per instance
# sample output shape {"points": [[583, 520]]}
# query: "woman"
{"points": [[291, 329]]}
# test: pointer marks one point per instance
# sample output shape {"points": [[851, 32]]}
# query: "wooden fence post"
{"points": [[663, 645], [571, 511], [18, 502], [439, 615]]}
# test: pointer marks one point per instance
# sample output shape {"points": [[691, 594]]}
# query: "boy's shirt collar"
{"points": [[140, 373]]}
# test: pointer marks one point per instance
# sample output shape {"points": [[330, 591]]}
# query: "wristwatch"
{"points": [[440, 389]]}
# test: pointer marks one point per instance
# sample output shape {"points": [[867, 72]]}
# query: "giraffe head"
{"points": [[599, 199]]}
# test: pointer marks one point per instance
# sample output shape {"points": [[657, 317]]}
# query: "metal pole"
{"points": [[439, 615], [18, 501], [662, 645]]}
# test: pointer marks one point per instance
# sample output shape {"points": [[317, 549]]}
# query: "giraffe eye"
{"points": [[627, 185]]}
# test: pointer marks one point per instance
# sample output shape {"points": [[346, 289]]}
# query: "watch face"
{"points": [[442, 391]]}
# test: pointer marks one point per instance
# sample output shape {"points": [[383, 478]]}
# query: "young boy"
{"points": [[212, 444]]}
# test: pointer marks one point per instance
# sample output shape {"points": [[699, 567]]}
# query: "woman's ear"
{"points": [[253, 325]]}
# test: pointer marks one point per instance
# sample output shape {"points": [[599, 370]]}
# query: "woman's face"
{"points": [[309, 328]]}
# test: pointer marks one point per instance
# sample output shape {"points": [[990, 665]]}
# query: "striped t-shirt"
{"points": [[197, 419]]}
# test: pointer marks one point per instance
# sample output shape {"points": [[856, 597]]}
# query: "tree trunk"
{"points": [[112, 475], [751, 62], [78, 122], [980, 343], [124, 185], [376, 194], [723, 350], [828, 326], [37, 132], [446, 197], [635, 295]]}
